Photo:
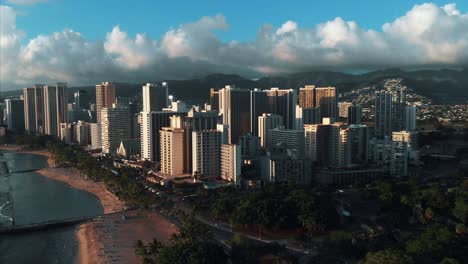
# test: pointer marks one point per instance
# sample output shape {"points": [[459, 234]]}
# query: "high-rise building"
{"points": [[67, 132], [293, 138], [115, 127], [105, 98], [343, 109], [39, 108], [307, 96], [327, 143], [354, 114], [389, 112], [283, 102], [155, 97], [55, 108], [50, 111], [151, 124], [214, 99], [231, 162], [250, 146], [82, 133], [172, 150], [284, 166], [359, 140], [96, 135], [29, 111], [235, 109], [321, 97], [307, 116], [383, 125], [258, 106], [267, 122], [410, 117], [14, 114], [77, 100], [206, 147], [325, 99]]}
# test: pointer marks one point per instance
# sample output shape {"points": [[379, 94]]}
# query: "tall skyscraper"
{"points": [[172, 150], [307, 116], [82, 133], [235, 108], [39, 108], [322, 97], [214, 99], [50, 111], [410, 118], [354, 114], [359, 141], [29, 111], [265, 123], [55, 108], [327, 143], [283, 102], [206, 147], [96, 135], [115, 127], [389, 112], [383, 125], [77, 100], [155, 97], [14, 114], [151, 124], [105, 97], [230, 163], [307, 96]]}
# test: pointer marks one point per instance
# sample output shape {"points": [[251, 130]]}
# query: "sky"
{"points": [[86, 42]]}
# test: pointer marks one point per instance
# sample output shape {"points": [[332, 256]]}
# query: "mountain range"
{"points": [[446, 86]]}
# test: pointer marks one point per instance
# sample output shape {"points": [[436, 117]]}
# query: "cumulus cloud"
{"points": [[426, 36]]}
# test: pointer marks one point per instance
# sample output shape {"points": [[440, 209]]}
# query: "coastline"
{"points": [[109, 238]]}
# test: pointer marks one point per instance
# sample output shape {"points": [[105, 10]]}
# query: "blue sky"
{"points": [[89, 41], [94, 18]]}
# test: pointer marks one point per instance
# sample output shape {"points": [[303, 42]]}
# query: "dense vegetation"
{"points": [[275, 208], [193, 244], [126, 183]]}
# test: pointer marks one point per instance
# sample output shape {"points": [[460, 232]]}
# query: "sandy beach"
{"points": [[111, 238]]}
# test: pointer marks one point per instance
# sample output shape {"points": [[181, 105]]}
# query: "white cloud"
{"points": [[25, 2], [287, 27], [426, 36]]}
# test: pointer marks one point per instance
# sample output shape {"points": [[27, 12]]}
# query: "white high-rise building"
{"points": [[55, 108], [265, 123], [206, 146], [231, 162], [96, 140], [172, 150], [115, 127]]}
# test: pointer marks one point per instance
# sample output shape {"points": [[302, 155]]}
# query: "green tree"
{"points": [[461, 210], [432, 242], [388, 256]]}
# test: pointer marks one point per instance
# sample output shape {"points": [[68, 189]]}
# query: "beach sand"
{"points": [[111, 238]]}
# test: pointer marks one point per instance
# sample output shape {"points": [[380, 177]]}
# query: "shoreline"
{"points": [[109, 238]]}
